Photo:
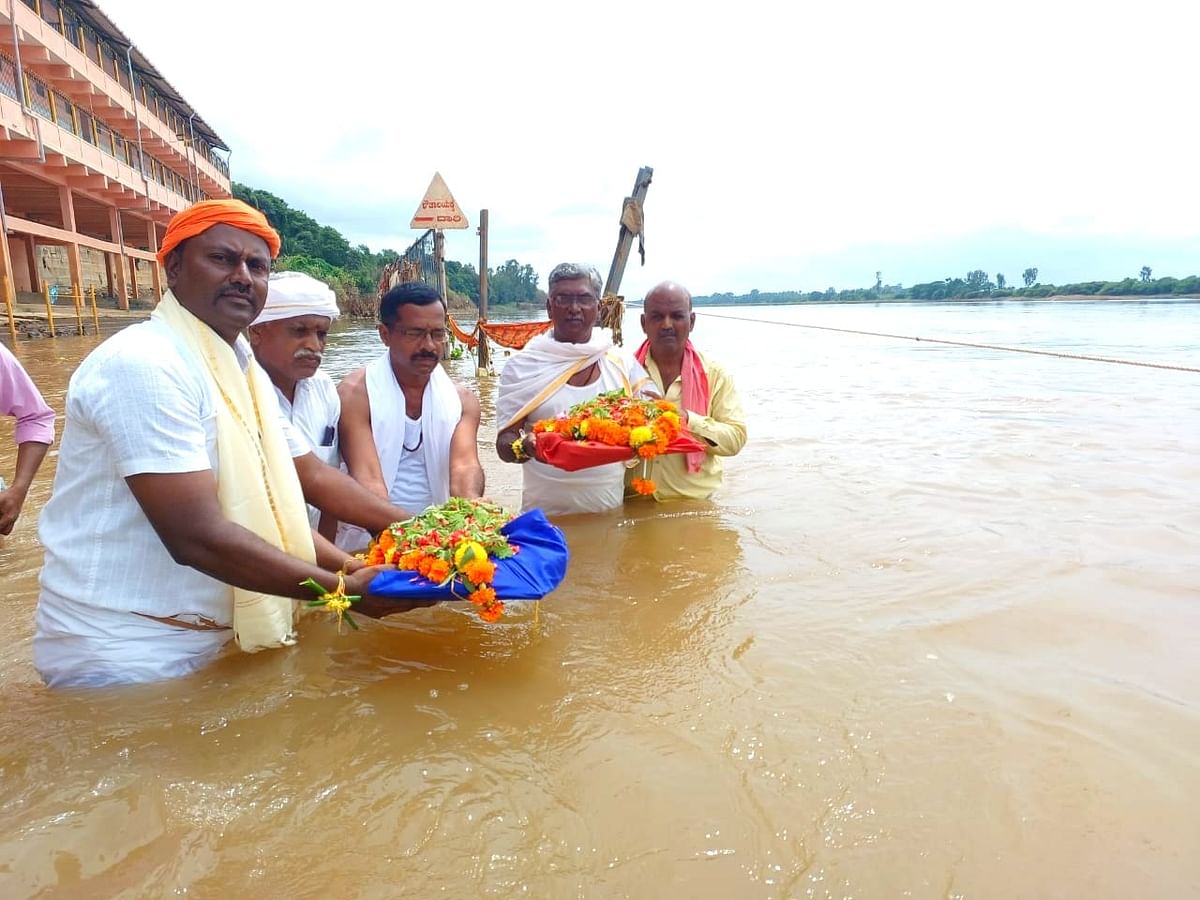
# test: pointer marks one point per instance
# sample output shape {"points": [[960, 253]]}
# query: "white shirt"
{"points": [[315, 415], [138, 404]]}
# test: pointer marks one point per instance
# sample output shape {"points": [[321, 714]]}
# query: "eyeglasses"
{"points": [[437, 335], [565, 301]]}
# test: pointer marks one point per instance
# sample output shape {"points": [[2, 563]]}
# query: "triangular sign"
{"points": [[438, 209]]}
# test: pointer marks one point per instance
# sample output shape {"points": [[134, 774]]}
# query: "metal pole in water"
{"points": [[484, 363]]}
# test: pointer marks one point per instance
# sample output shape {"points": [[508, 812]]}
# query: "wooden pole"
{"points": [[484, 362], [95, 312], [77, 296], [8, 304], [625, 236], [439, 257], [49, 308], [6, 269]]}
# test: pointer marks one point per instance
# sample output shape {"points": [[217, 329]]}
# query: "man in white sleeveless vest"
{"points": [[554, 371], [288, 339], [407, 431], [177, 519]]}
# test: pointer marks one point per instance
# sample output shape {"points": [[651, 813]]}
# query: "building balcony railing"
{"points": [[56, 108], [152, 108]]}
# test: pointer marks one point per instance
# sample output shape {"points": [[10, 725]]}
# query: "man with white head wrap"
{"points": [[288, 339]]}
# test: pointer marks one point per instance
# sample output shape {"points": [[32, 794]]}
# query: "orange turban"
{"points": [[204, 215]]}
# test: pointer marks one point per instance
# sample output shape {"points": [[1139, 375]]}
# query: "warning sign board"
{"points": [[438, 209]]}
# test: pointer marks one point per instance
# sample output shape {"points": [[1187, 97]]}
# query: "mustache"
{"points": [[425, 355], [306, 354]]}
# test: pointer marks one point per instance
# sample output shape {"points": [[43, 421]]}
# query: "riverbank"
{"points": [[33, 322]]}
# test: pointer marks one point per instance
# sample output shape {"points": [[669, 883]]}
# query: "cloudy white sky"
{"points": [[795, 146]]}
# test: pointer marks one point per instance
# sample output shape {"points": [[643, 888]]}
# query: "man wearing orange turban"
{"points": [[177, 519], [204, 215]]}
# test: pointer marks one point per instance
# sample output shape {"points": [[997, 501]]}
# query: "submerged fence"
{"points": [[417, 263]]}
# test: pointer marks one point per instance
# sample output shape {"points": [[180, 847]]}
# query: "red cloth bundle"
{"points": [[565, 453]]}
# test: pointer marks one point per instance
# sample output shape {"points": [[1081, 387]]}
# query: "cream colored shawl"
{"points": [[257, 485], [534, 373]]}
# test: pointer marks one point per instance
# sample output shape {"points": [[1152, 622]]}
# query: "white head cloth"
{"points": [[292, 294]]}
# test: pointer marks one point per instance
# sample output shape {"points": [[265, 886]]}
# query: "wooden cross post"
{"points": [[625, 237]]}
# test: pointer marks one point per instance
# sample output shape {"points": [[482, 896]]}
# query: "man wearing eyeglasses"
{"points": [[556, 370], [407, 431]]}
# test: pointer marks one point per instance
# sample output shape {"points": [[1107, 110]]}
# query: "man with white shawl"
{"points": [[288, 339], [555, 371], [177, 520], [407, 431]]}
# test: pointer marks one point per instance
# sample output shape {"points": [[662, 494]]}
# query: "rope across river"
{"points": [[905, 337]]}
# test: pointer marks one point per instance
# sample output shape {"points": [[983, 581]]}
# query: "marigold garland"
{"points": [[453, 543], [619, 420]]}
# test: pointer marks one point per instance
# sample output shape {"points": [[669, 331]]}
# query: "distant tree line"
{"points": [[975, 285], [507, 284], [353, 272]]}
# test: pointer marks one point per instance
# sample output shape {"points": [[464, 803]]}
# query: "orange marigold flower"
{"points": [[410, 560], [423, 565], [643, 486], [492, 612], [439, 571], [483, 596], [479, 571]]}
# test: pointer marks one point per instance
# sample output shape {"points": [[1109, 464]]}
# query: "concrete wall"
{"points": [[54, 268]]}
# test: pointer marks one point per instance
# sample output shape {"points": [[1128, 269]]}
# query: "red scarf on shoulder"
{"points": [[695, 390]]}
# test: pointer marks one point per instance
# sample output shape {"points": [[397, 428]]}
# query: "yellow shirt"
{"points": [[723, 429]]}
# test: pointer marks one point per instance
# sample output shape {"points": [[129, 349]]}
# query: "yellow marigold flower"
{"points": [[467, 551], [642, 434]]}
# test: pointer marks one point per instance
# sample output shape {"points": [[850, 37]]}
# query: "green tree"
{"points": [[512, 283], [977, 281], [1030, 276], [1146, 273], [462, 278], [1000, 281]]}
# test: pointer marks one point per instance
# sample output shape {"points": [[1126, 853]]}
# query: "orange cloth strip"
{"points": [[200, 217]]}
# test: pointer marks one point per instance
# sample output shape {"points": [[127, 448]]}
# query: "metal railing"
{"points": [[55, 107], [59, 16]]}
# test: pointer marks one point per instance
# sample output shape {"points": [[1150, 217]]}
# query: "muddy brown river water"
{"points": [[937, 637]]}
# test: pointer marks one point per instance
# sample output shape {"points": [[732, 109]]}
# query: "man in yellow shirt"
{"points": [[699, 386]]}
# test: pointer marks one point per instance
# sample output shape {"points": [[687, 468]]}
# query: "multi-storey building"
{"points": [[97, 152]]}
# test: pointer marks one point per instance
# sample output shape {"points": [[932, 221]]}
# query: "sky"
{"points": [[794, 146]]}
